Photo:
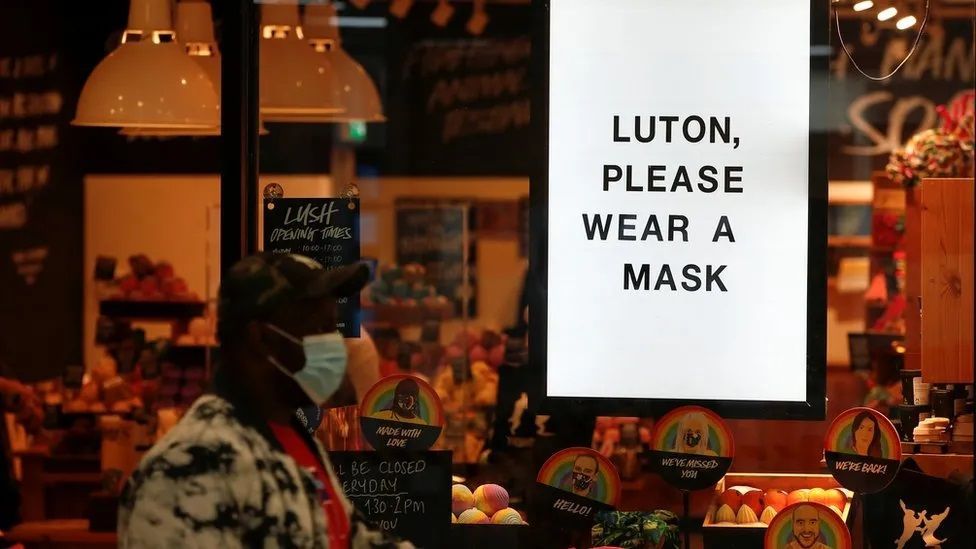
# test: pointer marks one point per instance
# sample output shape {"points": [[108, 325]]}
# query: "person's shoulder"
{"points": [[208, 435]]}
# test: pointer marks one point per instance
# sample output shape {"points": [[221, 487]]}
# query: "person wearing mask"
{"points": [[238, 470]]}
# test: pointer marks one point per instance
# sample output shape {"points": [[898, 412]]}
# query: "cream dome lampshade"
{"points": [[194, 32], [295, 85], [357, 90], [148, 81]]}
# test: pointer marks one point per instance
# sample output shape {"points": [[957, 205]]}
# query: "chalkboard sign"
{"points": [[324, 229], [439, 236], [405, 493], [40, 195], [459, 104]]}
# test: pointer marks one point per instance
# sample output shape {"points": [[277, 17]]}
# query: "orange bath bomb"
{"points": [[797, 496], [777, 499], [461, 499], [756, 501], [732, 498], [836, 499], [817, 495], [507, 516], [473, 516]]}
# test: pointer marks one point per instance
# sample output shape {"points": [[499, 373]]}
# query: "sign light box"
{"points": [[679, 213]]}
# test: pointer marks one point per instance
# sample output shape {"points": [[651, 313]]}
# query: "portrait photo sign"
{"points": [[862, 450], [807, 525], [575, 483], [401, 411], [691, 448]]}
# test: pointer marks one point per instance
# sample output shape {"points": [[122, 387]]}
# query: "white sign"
{"points": [[678, 199]]}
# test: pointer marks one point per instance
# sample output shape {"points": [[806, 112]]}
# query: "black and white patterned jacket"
{"points": [[217, 480]]}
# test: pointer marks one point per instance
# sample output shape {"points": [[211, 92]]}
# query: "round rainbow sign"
{"points": [[807, 525], [691, 448], [568, 466], [401, 412], [862, 450], [575, 483]]}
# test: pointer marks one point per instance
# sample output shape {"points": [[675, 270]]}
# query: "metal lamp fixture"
{"points": [[295, 84], [358, 94], [194, 33], [148, 81]]}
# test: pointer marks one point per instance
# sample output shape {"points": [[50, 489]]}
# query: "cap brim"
{"points": [[342, 282]]}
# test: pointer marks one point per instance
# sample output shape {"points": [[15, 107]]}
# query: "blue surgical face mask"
{"points": [[325, 364]]}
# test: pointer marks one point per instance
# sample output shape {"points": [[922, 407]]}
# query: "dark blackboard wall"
{"points": [[459, 104], [40, 194]]}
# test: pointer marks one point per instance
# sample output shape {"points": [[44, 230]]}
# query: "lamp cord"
{"points": [[898, 67]]}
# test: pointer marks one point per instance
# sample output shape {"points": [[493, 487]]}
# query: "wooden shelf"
{"points": [[849, 241], [151, 310], [942, 465]]}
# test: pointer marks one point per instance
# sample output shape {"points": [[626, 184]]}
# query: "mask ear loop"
{"points": [[911, 52]]}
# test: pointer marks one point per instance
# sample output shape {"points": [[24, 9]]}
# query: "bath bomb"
{"points": [[507, 516], [473, 516], [496, 356], [817, 495], [797, 496], [478, 354], [490, 498], [461, 499]]}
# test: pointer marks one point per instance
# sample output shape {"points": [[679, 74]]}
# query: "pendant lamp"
{"points": [[194, 32], [295, 85], [357, 90], [148, 81]]}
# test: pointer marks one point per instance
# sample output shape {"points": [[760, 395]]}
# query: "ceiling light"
{"points": [[296, 85], [194, 31], [400, 8], [887, 13], [442, 14], [358, 94], [906, 22], [148, 81], [863, 5]]}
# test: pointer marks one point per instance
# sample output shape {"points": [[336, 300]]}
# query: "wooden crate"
{"points": [[736, 536]]}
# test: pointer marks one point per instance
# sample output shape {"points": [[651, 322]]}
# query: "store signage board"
{"points": [[691, 448], [405, 493], [678, 241], [575, 484], [401, 411], [862, 450], [324, 229]]}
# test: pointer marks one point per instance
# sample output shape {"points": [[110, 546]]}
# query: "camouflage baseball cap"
{"points": [[258, 285]]}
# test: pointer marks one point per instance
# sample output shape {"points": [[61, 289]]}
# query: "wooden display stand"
{"points": [[946, 272], [732, 536]]}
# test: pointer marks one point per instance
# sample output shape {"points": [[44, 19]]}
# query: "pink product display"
{"points": [[194, 374], [172, 374], [190, 392]]}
